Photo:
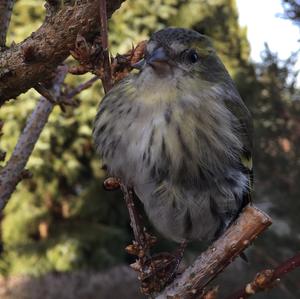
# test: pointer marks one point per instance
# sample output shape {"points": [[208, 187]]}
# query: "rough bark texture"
{"points": [[191, 282], [34, 59], [5, 14], [11, 174]]}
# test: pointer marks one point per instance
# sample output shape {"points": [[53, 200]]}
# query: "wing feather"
{"points": [[245, 124]]}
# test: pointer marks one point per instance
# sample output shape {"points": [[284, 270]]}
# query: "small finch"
{"points": [[179, 133]]}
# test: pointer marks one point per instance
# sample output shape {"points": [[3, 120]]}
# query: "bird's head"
{"points": [[178, 51]]}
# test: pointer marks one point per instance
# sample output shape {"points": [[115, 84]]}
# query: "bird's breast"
{"points": [[171, 135]]}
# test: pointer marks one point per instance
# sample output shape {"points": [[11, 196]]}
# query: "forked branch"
{"points": [[21, 66]]}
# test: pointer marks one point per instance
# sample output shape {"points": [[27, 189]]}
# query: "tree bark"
{"points": [[35, 59], [6, 7]]}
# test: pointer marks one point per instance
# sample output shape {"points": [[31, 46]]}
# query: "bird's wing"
{"points": [[244, 118]]}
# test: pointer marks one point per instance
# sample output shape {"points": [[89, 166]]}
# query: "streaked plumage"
{"points": [[179, 133]]}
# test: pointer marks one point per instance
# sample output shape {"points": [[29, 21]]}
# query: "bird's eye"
{"points": [[193, 56]]}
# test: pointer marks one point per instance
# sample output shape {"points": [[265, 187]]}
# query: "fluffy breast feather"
{"points": [[168, 134]]}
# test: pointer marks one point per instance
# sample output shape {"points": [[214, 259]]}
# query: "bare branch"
{"points": [[267, 279], [46, 93], [67, 98], [23, 66], [107, 79], [81, 87], [136, 225], [6, 7], [251, 223], [11, 174]]}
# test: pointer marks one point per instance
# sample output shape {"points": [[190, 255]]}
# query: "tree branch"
{"points": [[21, 66], [267, 279], [251, 223], [81, 87], [6, 7], [11, 174], [137, 228], [106, 81]]}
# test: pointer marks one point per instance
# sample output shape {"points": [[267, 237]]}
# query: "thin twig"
{"points": [[107, 79], [267, 279], [251, 223], [66, 99], [135, 222], [6, 7], [287, 266], [46, 92], [264, 256], [78, 89], [11, 174]]}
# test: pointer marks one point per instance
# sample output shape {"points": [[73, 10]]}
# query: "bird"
{"points": [[179, 133]]}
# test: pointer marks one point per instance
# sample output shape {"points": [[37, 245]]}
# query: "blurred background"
{"points": [[63, 235]]}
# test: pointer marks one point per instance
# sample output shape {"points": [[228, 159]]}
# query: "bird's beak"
{"points": [[139, 65], [158, 60], [157, 56]]}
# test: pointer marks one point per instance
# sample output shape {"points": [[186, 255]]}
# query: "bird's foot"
{"points": [[178, 254], [156, 271]]}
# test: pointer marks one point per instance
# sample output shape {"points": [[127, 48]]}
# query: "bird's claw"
{"points": [[156, 271]]}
